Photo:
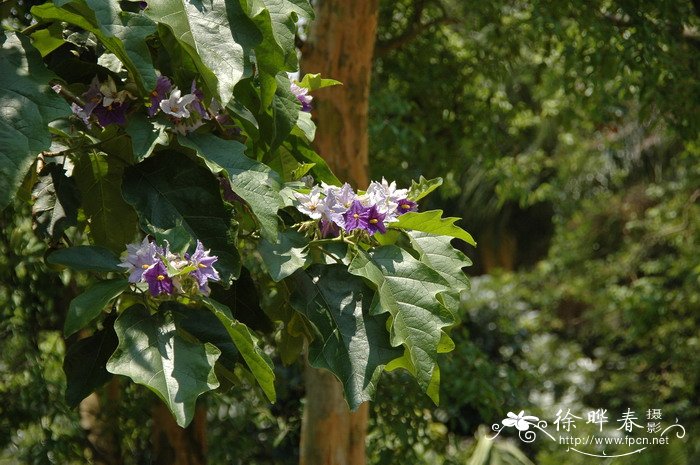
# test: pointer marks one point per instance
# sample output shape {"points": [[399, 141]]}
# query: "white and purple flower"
{"points": [[302, 94], [176, 104]]}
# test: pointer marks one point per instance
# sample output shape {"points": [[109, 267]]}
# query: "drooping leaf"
{"points": [[88, 305], [315, 81], [113, 222], [56, 202], [423, 187], [86, 258], [306, 126], [277, 20], [152, 353], [432, 222], [145, 134], [283, 258], [348, 341], [85, 362], [258, 362], [411, 292], [170, 190], [253, 181], [215, 34], [27, 106], [121, 32]]}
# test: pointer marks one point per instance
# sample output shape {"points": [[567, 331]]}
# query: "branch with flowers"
{"points": [[171, 163]]}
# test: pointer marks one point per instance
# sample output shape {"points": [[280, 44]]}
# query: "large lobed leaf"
{"points": [[171, 191], [217, 36], [348, 340], [432, 222], [152, 353], [27, 106], [253, 181], [413, 293]]}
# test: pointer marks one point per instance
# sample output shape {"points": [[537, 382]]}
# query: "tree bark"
{"points": [[340, 46], [173, 445], [97, 418]]}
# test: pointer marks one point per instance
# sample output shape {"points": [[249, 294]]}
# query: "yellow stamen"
{"points": [[201, 265], [355, 215], [144, 266], [374, 221], [405, 206], [312, 207], [161, 277]]}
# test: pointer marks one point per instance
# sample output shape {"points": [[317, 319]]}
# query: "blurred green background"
{"points": [[568, 137]]}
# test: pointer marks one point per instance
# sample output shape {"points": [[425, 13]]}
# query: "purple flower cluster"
{"points": [[340, 208], [104, 102], [303, 96], [166, 272]]}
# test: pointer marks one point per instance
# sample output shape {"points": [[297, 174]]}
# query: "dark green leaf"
{"points": [[432, 222], [86, 258], [121, 32], [247, 344], [348, 341], [88, 305], [152, 353], [170, 190], [56, 202], [412, 293], [113, 222], [283, 258], [145, 134], [253, 181], [27, 106], [85, 362]]}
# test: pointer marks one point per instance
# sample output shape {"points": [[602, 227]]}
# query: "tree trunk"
{"points": [[173, 445], [340, 46], [97, 418]]}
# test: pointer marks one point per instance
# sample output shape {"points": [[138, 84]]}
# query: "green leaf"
{"points": [[86, 258], [49, 39], [253, 181], [288, 167], [348, 341], [56, 202], [152, 353], [113, 222], [438, 254], [216, 34], [300, 149], [88, 305], [85, 362], [307, 126], [145, 134], [411, 292], [283, 258], [277, 20], [314, 81], [432, 222], [422, 188], [122, 33], [170, 190], [247, 344], [27, 106]]}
